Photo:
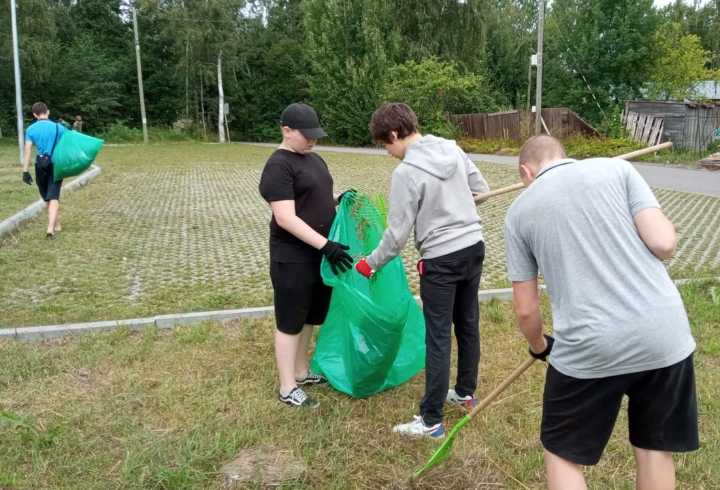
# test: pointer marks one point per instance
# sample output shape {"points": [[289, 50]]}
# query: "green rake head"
{"points": [[442, 453]]}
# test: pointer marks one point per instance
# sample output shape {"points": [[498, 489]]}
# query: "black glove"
{"points": [[27, 178], [543, 355], [335, 254], [349, 191]]}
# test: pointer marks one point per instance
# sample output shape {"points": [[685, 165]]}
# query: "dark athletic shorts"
{"points": [[579, 414], [301, 297], [49, 190]]}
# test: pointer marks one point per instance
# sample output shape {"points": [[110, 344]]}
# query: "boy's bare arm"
{"points": [[26, 155], [526, 301], [284, 212], [657, 232]]}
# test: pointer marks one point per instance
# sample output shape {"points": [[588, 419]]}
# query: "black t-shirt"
{"points": [[306, 180]]}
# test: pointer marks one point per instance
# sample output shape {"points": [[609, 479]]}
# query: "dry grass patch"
{"points": [[167, 409]]}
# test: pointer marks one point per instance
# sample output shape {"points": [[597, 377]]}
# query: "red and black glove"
{"points": [[364, 268], [542, 356]]}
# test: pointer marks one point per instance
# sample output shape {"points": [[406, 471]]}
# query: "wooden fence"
{"points": [[644, 128], [560, 121]]}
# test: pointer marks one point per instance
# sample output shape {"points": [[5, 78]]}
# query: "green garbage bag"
{"points": [[374, 335], [74, 154]]}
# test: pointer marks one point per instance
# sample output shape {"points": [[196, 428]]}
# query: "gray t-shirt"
{"points": [[615, 308]]}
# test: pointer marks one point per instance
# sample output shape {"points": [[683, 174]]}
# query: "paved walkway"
{"points": [[679, 179]]}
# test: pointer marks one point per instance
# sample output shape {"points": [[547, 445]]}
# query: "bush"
{"points": [[266, 132], [614, 128], [583, 147], [575, 146], [713, 146], [119, 133], [432, 88], [489, 146]]}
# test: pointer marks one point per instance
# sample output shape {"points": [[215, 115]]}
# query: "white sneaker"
{"points": [[463, 401], [417, 428]]}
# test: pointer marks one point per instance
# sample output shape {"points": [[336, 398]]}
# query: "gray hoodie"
{"points": [[432, 189]]}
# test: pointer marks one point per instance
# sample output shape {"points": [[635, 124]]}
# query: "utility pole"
{"points": [[538, 90], [18, 87], [530, 65], [140, 83], [187, 70]]}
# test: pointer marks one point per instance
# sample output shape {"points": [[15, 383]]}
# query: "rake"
{"points": [[444, 450], [626, 156]]}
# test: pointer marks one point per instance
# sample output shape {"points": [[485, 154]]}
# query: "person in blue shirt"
{"points": [[44, 134]]}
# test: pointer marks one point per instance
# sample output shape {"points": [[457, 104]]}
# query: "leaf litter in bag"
{"points": [[74, 154]]}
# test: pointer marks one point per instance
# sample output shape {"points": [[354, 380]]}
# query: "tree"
{"points": [[212, 32], [350, 45], [433, 87], [680, 63], [37, 46], [277, 70], [513, 35], [598, 53], [700, 20]]}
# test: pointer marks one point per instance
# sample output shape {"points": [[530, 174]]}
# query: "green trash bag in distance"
{"points": [[374, 335], [74, 154]]}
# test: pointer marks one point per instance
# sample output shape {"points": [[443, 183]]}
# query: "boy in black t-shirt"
{"points": [[299, 188]]}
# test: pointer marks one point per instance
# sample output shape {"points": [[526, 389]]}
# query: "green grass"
{"points": [[15, 195], [166, 409], [582, 147]]}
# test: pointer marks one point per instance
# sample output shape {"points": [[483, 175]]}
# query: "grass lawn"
{"points": [[173, 228], [14, 193], [166, 409]]}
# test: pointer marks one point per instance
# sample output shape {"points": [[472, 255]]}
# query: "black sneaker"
{"points": [[298, 398], [311, 379], [49, 236]]}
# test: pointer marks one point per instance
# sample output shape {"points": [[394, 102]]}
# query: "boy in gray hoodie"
{"points": [[432, 190]]}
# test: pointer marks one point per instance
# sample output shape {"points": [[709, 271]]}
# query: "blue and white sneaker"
{"points": [[417, 428], [464, 401], [311, 378]]}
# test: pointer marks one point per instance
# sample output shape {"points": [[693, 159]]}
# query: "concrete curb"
{"points": [[14, 221], [33, 334]]}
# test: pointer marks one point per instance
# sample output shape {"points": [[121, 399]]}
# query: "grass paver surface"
{"points": [[181, 227]]}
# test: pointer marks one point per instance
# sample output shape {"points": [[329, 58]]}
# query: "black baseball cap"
{"points": [[303, 118]]}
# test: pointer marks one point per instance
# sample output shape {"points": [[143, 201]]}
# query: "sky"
{"points": [[662, 3]]}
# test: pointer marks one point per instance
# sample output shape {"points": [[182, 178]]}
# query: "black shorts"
{"points": [[301, 296], [579, 414], [49, 190]]}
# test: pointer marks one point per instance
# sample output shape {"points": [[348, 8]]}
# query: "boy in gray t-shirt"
{"points": [[597, 233]]}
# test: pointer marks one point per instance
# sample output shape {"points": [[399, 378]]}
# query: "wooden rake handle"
{"points": [[626, 156], [645, 151], [497, 192], [501, 387]]}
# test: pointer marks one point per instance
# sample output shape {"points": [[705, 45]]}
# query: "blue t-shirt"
{"points": [[42, 134]]}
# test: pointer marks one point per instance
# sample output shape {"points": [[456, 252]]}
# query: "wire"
{"points": [[577, 65]]}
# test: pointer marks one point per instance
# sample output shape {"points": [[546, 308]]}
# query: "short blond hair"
{"points": [[541, 149]]}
